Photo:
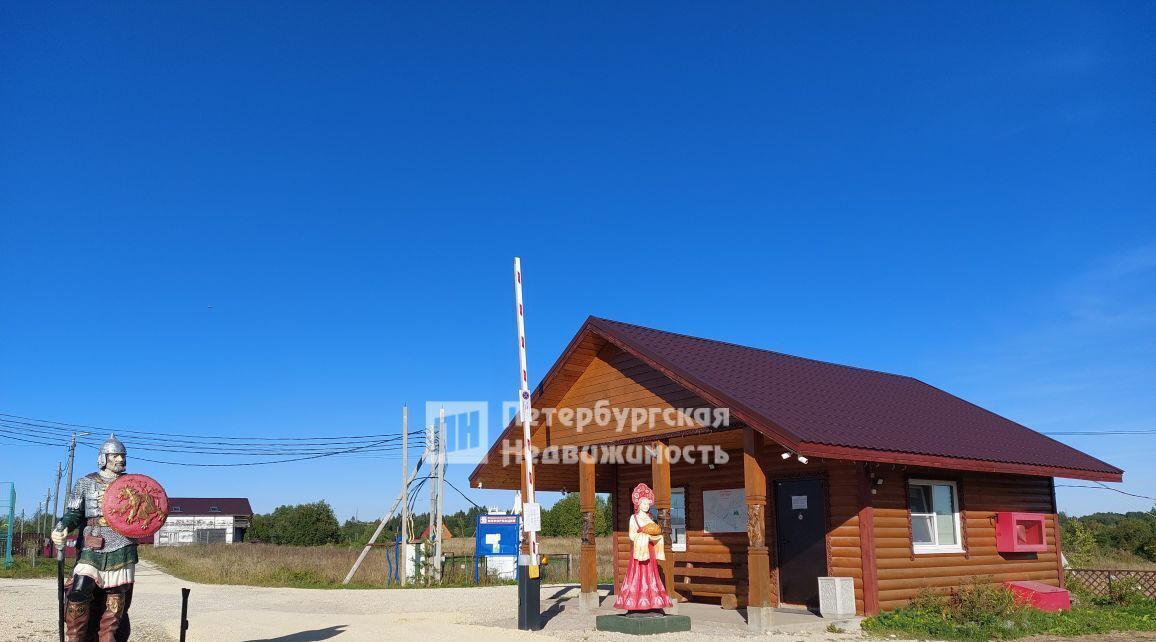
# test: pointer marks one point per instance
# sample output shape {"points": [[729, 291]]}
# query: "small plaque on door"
{"points": [[798, 502]]}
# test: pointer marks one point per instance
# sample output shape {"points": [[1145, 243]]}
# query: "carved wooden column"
{"points": [[758, 557], [660, 476], [588, 560]]}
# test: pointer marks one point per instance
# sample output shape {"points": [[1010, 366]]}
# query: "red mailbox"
{"points": [[1020, 533]]}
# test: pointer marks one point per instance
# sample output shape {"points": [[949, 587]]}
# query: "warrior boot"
{"points": [[76, 621], [78, 608], [114, 625]]}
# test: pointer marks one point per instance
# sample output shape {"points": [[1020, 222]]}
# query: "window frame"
{"points": [[675, 545], [924, 549]]}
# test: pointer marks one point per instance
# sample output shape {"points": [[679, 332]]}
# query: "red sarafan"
{"points": [[135, 505]]}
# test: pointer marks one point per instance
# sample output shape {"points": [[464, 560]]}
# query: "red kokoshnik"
{"points": [[641, 491]]}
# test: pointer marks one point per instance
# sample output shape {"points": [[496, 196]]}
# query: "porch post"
{"points": [[588, 566], [759, 611], [660, 475]]}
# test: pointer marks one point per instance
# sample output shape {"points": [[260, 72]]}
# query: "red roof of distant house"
{"points": [[210, 506], [823, 409]]}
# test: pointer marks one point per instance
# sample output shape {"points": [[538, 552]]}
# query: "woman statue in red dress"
{"points": [[642, 588]]}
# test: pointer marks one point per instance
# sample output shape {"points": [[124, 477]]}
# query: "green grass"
{"points": [[22, 568], [980, 611]]}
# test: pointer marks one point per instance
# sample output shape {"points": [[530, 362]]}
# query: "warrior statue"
{"points": [[107, 506]]}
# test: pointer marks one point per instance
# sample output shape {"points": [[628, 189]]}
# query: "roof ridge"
{"points": [[746, 347]]}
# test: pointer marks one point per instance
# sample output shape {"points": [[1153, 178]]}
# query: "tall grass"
{"points": [[317, 566]]}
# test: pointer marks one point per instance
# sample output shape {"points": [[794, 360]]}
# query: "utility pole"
{"points": [[44, 511], [431, 456], [56, 495], [72, 458], [381, 525], [404, 492], [441, 462]]}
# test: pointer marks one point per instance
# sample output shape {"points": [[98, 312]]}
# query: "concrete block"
{"points": [[587, 602], [760, 618], [836, 597]]}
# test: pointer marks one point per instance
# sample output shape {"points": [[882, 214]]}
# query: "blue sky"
{"points": [[289, 219]]}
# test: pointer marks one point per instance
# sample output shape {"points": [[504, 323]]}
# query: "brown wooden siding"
{"points": [[902, 573], [845, 558], [714, 564], [623, 382]]}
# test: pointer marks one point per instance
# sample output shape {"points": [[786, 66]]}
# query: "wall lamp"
{"points": [[787, 455]]}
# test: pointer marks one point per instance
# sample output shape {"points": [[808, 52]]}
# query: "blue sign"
{"points": [[497, 537]]}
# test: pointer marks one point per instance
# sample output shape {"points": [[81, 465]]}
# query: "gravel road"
{"points": [[255, 614]]}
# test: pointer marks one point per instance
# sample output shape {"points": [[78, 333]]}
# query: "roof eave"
{"points": [[957, 463]]}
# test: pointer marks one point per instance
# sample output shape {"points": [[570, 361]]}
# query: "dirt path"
{"points": [[256, 614], [242, 613]]}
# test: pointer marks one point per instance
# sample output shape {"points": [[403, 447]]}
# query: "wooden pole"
{"points": [[381, 525], [758, 556], [660, 477], [588, 561], [56, 494]]}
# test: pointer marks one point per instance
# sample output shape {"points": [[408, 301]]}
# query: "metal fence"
{"points": [[1100, 581]]}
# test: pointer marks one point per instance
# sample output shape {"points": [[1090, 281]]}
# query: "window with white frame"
{"points": [[678, 519], [934, 509]]}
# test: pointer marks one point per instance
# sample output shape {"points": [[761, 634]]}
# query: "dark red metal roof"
{"points": [[205, 506], [829, 409]]}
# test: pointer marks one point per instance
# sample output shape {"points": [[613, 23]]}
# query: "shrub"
{"points": [[1123, 591], [978, 610], [981, 601]]}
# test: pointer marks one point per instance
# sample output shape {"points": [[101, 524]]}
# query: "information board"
{"points": [[724, 511]]}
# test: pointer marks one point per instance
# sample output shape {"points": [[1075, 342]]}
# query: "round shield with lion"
{"points": [[135, 505]]}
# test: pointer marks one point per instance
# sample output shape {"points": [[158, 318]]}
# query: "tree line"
{"points": [[315, 524], [1109, 536]]}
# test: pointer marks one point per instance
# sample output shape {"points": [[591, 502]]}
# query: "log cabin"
{"points": [[771, 471]]}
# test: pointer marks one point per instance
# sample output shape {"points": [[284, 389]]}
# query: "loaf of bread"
{"points": [[652, 529]]}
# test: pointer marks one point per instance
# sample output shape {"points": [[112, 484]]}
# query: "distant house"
{"points": [[205, 520], [446, 534]]}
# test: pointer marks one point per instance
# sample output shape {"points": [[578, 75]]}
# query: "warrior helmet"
{"points": [[112, 446]]}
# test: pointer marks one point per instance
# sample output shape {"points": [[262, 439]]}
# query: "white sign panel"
{"points": [[724, 511], [494, 541], [531, 517], [798, 502]]}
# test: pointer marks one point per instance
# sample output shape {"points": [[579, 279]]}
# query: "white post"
{"points": [[404, 557], [524, 404], [431, 456], [441, 463]]}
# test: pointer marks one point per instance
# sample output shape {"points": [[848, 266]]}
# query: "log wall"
{"points": [[902, 573]]}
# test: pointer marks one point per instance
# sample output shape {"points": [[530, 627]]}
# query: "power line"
{"points": [[248, 463], [1101, 432], [1101, 486], [37, 432], [462, 494], [67, 427], [386, 444]]}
